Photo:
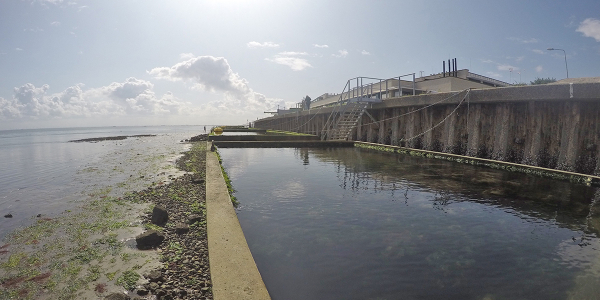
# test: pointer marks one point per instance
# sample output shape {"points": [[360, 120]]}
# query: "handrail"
{"points": [[361, 90]]}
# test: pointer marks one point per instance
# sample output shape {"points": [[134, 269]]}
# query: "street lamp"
{"points": [[565, 59]]}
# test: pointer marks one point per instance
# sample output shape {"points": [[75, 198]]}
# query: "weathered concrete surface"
{"points": [[283, 144], [263, 137], [233, 270], [551, 126]]}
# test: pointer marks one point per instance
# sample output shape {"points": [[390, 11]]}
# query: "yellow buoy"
{"points": [[218, 130]]}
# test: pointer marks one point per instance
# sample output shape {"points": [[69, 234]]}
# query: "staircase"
{"points": [[345, 120]]}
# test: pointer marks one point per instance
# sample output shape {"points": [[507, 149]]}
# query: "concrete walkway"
{"points": [[233, 270]]}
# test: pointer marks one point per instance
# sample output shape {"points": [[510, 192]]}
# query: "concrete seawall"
{"points": [[551, 126], [232, 267]]}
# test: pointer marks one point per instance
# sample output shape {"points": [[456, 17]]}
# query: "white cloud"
{"points": [[520, 58], [18, 49], [214, 74], [209, 72], [590, 28], [365, 52], [538, 51], [131, 97], [539, 69], [55, 23], [320, 46], [524, 41], [487, 61], [295, 63], [292, 53], [186, 56], [291, 59], [507, 68], [342, 53], [254, 44]]}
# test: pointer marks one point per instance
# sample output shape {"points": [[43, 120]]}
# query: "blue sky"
{"points": [[67, 63]]}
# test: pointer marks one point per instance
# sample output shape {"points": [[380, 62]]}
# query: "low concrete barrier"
{"points": [[233, 271], [263, 138], [283, 144]]}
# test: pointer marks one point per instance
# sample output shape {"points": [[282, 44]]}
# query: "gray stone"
{"points": [[154, 276], [193, 218], [117, 296], [182, 228], [159, 215], [149, 239]]}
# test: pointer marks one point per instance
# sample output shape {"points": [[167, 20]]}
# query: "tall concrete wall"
{"points": [[553, 126]]}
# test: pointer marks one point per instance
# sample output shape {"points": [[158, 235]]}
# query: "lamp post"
{"points": [[565, 59]]}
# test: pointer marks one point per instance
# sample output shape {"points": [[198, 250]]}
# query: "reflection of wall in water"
{"points": [[572, 205]]}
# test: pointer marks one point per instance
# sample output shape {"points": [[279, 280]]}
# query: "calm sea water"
{"points": [[356, 224], [42, 173]]}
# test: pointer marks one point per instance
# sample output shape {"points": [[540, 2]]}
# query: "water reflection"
{"points": [[353, 224]]}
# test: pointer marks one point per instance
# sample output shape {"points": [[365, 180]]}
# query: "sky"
{"points": [[75, 63]]}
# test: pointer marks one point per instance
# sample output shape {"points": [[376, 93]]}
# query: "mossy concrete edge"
{"points": [[495, 164], [233, 271]]}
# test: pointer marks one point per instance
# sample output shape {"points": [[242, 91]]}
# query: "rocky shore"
{"points": [[185, 272], [89, 251]]}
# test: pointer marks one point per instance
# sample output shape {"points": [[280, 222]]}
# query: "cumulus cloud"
{"points": [[590, 28], [215, 75], [538, 51], [254, 44], [55, 23], [320, 46], [208, 72], [365, 52], [131, 97], [341, 53], [539, 69], [18, 49]]}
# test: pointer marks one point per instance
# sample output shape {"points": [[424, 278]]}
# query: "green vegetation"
{"points": [[286, 132], [542, 81], [230, 188], [548, 173], [128, 279]]}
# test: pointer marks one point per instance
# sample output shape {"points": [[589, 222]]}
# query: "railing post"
{"points": [[399, 87], [413, 84]]}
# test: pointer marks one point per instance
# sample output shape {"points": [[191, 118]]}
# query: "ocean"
{"points": [[42, 173]]}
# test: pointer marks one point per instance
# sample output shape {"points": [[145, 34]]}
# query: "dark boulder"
{"points": [[149, 239], [159, 215]]}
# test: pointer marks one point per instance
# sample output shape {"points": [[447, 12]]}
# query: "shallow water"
{"points": [[356, 224], [42, 173]]}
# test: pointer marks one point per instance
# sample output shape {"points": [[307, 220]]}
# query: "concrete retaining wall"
{"points": [[552, 126]]}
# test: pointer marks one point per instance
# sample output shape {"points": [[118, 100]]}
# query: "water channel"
{"points": [[351, 223]]}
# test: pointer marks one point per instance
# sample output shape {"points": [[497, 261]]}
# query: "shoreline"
{"points": [[89, 252]]}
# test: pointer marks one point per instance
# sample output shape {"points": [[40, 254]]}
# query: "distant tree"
{"points": [[519, 84], [306, 102], [542, 80]]}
